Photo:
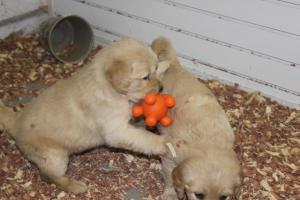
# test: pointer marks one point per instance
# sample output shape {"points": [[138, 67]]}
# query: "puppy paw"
{"points": [[163, 151], [162, 148], [76, 187], [157, 146]]}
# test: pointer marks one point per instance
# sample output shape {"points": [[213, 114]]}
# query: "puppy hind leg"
{"points": [[54, 166], [138, 140]]}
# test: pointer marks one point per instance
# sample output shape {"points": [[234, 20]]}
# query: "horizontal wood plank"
{"points": [[273, 14]]}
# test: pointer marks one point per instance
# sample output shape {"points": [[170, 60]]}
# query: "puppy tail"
{"points": [[164, 50], [7, 119]]}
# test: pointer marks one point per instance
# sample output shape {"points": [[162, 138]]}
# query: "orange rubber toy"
{"points": [[155, 108]]}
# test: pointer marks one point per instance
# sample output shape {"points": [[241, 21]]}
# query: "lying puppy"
{"points": [[91, 108], [205, 166]]}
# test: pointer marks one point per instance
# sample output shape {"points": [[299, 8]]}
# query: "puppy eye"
{"points": [[147, 77], [200, 196], [223, 197]]}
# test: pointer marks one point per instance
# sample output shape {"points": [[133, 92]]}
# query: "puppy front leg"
{"points": [[137, 140]]}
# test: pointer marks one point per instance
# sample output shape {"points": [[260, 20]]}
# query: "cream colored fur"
{"points": [[91, 108], [206, 167]]}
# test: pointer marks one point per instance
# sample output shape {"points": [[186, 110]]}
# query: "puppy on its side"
{"points": [[205, 166], [91, 108]]}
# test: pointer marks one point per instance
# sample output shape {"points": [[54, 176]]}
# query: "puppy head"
{"points": [[207, 178], [131, 70]]}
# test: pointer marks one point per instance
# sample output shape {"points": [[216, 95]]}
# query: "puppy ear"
{"points": [[177, 176], [178, 181], [163, 48], [117, 75], [162, 68]]}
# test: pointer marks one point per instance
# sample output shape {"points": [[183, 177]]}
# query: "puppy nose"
{"points": [[161, 88]]}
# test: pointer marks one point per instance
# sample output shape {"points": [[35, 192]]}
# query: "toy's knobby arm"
{"points": [[137, 111], [170, 101], [150, 98]]}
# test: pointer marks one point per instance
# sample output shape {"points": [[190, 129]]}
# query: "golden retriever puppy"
{"points": [[91, 108], [204, 165]]}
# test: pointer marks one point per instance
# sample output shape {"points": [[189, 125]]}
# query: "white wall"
{"points": [[255, 43], [11, 8], [21, 15]]}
